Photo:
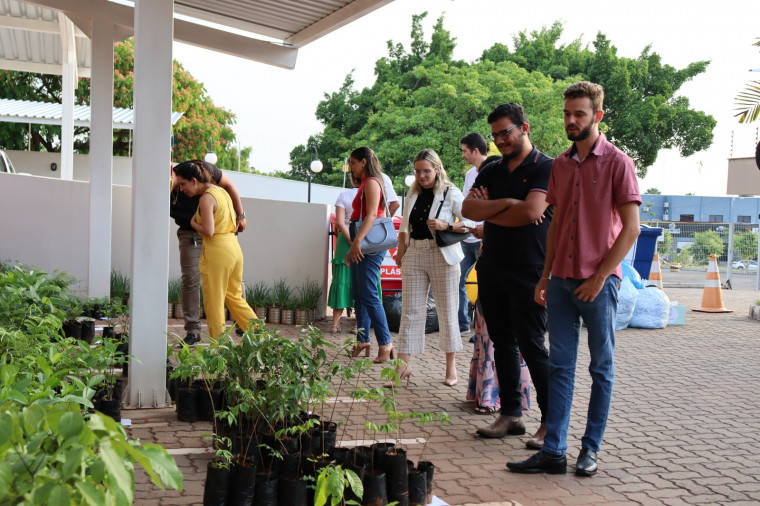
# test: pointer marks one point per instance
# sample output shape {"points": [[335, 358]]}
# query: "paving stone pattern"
{"points": [[684, 427]]}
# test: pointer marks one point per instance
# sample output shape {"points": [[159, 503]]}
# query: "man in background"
{"points": [[474, 149]]}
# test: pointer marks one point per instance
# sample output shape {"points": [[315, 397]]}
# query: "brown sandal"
{"points": [[484, 410]]}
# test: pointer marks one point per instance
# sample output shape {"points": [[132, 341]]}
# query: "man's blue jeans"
{"points": [[470, 250], [367, 304], [565, 311]]}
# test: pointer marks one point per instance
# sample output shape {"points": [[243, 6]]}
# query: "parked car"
{"points": [[741, 265], [5, 163]]}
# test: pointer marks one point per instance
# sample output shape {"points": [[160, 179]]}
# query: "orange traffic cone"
{"points": [[655, 274], [712, 299]]}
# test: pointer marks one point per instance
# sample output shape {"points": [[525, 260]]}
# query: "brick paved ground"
{"points": [[684, 428]]}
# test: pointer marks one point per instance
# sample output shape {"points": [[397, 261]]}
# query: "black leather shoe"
{"points": [[192, 339], [586, 464], [540, 463]]}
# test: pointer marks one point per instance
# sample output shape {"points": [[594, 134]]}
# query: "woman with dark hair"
{"points": [[368, 205], [339, 296], [433, 204], [221, 262]]}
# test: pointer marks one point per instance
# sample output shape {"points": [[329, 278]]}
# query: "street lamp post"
{"points": [[316, 168], [210, 156]]}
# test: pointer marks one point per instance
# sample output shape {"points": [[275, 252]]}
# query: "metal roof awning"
{"points": [[47, 113]]}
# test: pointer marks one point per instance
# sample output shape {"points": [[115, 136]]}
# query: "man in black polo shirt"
{"points": [[182, 208], [510, 197]]}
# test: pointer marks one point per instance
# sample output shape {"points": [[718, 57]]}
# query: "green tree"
{"points": [[705, 244], [745, 245], [201, 120], [665, 246], [424, 99], [642, 112], [652, 191], [748, 101]]}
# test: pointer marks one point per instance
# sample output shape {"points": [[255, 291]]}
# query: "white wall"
{"points": [[44, 222], [38, 164], [248, 185]]}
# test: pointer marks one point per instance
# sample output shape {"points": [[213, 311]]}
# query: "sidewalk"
{"points": [[684, 427]]}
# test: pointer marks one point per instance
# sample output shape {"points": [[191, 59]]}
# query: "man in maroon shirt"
{"points": [[595, 196]]}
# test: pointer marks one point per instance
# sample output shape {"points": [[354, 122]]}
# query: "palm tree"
{"points": [[748, 101]]}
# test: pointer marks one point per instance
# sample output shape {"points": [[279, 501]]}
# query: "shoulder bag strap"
{"points": [[442, 201], [382, 190]]}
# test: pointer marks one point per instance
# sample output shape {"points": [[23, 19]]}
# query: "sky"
{"points": [[275, 107]]}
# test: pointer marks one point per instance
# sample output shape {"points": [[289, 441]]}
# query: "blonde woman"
{"points": [[433, 204]]}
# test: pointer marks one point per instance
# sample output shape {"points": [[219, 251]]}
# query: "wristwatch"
{"points": [[451, 227], [241, 216]]}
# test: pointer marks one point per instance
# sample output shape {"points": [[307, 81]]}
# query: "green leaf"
{"points": [[70, 425], [355, 483], [117, 469], [6, 478], [159, 465], [94, 496], [6, 426], [59, 496], [72, 462]]}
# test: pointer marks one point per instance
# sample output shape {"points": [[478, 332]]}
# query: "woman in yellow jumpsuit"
{"points": [[221, 262]]}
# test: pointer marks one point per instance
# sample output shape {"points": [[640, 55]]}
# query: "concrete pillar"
{"points": [[150, 202], [69, 86], [101, 159]]}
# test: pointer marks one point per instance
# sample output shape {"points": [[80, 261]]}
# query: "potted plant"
{"points": [[216, 489], [281, 292], [174, 295], [332, 483], [288, 311], [187, 370], [310, 293], [257, 297], [72, 326], [120, 285]]}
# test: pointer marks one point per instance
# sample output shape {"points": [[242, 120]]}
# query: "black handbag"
{"points": [[445, 238], [381, 236]]}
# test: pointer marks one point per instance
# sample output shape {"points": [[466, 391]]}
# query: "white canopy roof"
{"points": [[48, 113]]}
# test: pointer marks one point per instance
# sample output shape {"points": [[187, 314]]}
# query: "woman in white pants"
{"points": [[432, 204]]}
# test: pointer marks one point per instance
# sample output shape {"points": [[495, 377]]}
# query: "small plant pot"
{"points": [[209, 402], [266, 489], [328, 436], [273, 315], [396, 476], [429, 469], [261, 312], [312, 315], [378, 453], [375, 489], [417, 488], [112, 408], [288, 467], [107, 332], [178, 312], [242, 484], [287, 316], [217, 486], [292, 491], [187, 405], [302, 316], [72, 328], [170, 309], [88, 330]]}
